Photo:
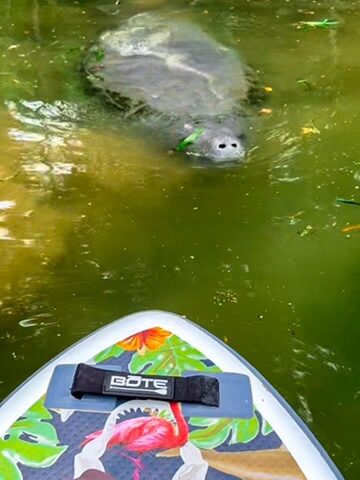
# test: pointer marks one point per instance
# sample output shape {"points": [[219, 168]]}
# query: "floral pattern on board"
{"points": [[150, 339]]}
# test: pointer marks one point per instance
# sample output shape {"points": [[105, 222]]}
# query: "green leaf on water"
{"points": [[173, 358], [192, 138], [347, 201], [326, 23]]}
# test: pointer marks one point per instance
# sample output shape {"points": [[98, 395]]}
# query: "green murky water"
{"points": [[94, 223]]}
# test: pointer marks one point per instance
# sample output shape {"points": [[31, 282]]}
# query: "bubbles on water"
{"points": [[304, 409], [287, 147], [36, 324], [225, 296], [307, 356]]}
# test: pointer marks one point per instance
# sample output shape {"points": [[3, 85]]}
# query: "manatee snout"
{"points": [[219, 144], [226, 148]]}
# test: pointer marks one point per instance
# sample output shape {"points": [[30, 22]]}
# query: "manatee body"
{"points": [[175, 75]]}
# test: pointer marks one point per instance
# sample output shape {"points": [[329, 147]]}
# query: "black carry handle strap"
{"points": [[195, 389]]}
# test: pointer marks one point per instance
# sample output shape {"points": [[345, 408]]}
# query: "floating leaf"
{"points": [[216, 431], [326, 23], [347, 201], [110, 352], [351, 228], [192, 138], [172, 358]]}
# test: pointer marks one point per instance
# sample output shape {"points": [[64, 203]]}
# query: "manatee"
{"points": [[180, 81]]}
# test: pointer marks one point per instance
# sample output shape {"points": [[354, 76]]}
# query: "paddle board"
{"points": [[251, 433]]}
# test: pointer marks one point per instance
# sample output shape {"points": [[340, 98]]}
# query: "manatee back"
{"points": [[170, 66]]}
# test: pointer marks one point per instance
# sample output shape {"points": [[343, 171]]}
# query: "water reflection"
{"points": [[51, 146], [31, 231]]}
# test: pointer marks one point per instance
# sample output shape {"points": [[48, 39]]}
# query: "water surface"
{"points": [[97, 222]]}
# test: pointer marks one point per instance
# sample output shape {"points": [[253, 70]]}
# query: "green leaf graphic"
{"points": [[8, 468], [172, 358], [33, 454], [266, 428], [110, 352], [244, 430], [39, 411], [41, 432], [202, 422], [217, 430], [39, 448], [213, 435]]}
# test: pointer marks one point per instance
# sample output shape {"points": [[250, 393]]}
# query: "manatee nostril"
{"points": [[234, 145], [222, 145]]}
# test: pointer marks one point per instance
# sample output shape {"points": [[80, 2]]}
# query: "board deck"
{"points": [[148, 439]]}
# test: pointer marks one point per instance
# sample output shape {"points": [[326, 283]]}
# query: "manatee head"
{"points": [[217, 141]]}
